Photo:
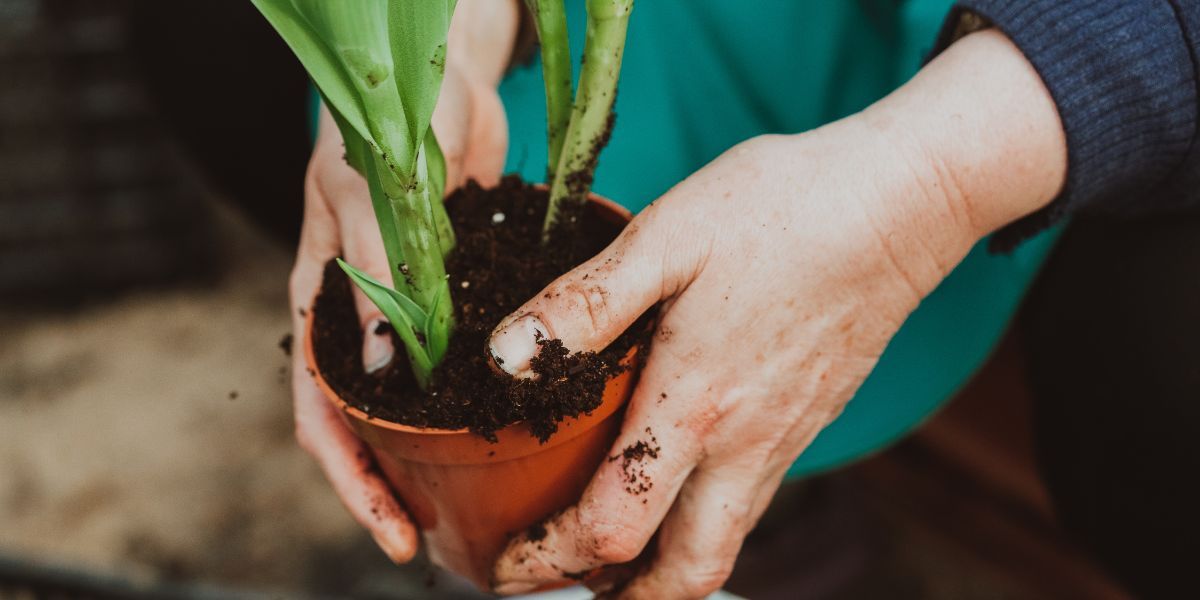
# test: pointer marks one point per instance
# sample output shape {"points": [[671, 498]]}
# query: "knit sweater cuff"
{"points": [[1122, 75]]}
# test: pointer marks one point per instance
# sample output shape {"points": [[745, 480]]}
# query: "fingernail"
{"points": [[512, 348], [377, 346], [514, 587]]}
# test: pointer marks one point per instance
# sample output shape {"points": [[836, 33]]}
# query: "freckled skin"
{"points": [[784, 267]]}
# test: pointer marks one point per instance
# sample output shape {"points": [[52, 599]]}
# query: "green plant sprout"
{"points": [[576, 133], [378, 65]]}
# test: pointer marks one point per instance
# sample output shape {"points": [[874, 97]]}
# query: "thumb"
{"points": [[589, 306]]}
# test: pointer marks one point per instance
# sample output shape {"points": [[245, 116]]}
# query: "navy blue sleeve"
{"points": [[1124, 76]]}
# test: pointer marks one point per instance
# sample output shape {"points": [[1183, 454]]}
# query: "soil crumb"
{"points": [[285, 344], [506, 265], [536, 532], [633, 459]]}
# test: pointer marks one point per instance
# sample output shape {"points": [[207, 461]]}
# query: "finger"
{"points": [[334, 183], [362, 247], [487, 139], [700, 539], [630, 493], [471, 129], [595, 302], [351, 470], [451, 124], [698, 543], [318, 428]]}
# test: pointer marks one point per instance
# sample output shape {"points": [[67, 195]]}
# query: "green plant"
{"points": [[378, 65], [576, 133]]}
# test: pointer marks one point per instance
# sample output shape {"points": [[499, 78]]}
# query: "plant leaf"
{"points": [[436, 162], [437, 335], [411, 309], [436, 166], [393, 306], [358, 150], [319, 59], [354, 34], [385, 215], [418, 31]]}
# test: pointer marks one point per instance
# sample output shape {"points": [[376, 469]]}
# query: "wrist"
{"points": [[980, 135]]}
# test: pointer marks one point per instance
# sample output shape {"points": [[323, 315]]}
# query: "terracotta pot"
{"points": [[469, 496]]}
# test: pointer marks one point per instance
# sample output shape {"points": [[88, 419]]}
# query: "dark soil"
{"points": [[497, 265]]}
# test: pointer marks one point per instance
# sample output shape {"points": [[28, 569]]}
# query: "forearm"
{"points": [[978, 144], [986, 125]]}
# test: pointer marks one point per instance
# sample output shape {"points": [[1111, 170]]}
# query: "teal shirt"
{"points": [[702, 75]]}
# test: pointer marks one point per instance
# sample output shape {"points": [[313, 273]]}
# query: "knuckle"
{"points": [[590, 301], [704, 418], [705, 580], [611, 542]]}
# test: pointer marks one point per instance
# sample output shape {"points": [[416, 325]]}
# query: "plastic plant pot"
{"points": [[469, 496]]}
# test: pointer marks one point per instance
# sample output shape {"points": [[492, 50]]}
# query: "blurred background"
{"points": [[146, 442]]}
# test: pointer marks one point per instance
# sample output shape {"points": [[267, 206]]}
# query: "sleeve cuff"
{"points": [[1122, 77]]}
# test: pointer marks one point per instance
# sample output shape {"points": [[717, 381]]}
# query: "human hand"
{"points": [[339, 221], [784, 267]]}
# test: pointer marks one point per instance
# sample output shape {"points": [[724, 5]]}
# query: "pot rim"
{"points": [[608, 209]]}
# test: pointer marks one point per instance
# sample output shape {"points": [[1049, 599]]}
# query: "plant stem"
{"points": [[550, 20], [587, 133], [406, 214]]}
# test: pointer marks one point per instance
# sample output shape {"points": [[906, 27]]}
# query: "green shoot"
{"points": [[378, 65], [550, 20], [588, 127]]}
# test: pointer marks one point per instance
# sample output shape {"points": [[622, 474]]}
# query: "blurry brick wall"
{"points": [[92, 195]]}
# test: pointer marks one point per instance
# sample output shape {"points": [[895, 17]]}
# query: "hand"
{"points": [[339, 221], [784, 268]]}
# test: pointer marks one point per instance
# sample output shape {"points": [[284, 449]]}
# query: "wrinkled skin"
{"points": [[758, 348], [784, 267]]}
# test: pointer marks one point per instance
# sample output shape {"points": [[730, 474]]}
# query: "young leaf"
{"points": [[399, 311], [385, 214], [437, 335], [436, 164], [411, 310]]}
